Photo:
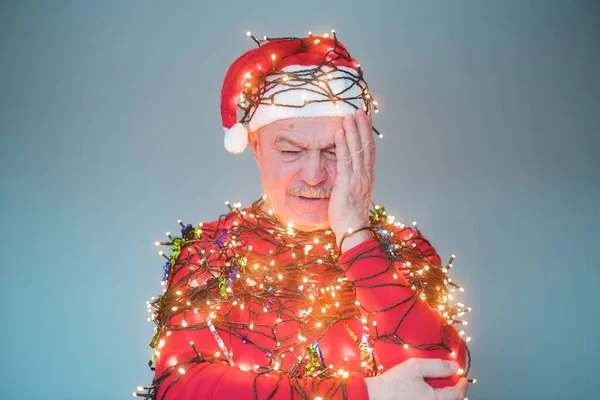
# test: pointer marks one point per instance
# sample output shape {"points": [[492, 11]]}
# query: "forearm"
{"points": [[402, 324], [202, 371], [206, 380]]}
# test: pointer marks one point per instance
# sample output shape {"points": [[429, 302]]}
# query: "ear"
{"points": [[253, 141]]}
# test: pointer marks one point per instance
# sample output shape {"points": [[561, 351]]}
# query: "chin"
{"points": [[305, 215], [311, 218]]}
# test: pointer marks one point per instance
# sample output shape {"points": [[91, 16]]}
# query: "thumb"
{"points": [[435, 368]]}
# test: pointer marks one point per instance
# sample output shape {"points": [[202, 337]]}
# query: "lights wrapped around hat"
{"points": [[291, 77]]}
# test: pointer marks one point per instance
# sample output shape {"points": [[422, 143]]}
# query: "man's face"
{"points": [[296, 158]]}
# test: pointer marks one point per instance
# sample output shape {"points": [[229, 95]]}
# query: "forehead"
{"points": [[313, 132]]}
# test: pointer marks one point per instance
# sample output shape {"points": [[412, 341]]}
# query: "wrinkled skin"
{"points": [[318, 172]]}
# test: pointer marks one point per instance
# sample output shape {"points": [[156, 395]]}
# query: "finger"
{"points": [[354, 144], [435, 367], [342, 154], [448, 393], [456, 392], [365, 129], [462, 385]]}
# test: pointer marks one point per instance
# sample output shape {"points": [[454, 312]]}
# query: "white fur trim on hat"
{"points": [[265, 114], [236, 138]]}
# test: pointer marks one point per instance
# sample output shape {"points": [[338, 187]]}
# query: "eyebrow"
{"points": [[291, 141]]}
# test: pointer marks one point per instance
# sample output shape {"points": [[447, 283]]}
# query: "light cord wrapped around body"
{"points": [[217, 274]]}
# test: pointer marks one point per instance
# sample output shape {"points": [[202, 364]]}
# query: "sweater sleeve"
{"points": [[221, 381], [183, 374], [402, 325], [191, 364]]}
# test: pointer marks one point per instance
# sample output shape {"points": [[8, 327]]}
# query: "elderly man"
{"points": [[307, 293]]}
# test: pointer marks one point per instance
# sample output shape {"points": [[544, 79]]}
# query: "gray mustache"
{"points": [[310, 192]]}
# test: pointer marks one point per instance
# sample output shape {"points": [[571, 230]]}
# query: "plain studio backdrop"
{"points": [[111, 132]]}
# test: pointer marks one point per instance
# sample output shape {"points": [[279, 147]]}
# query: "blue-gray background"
{"points": [[110, 132]]}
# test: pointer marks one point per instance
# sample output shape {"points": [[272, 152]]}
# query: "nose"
{"points": [[313, 170]]}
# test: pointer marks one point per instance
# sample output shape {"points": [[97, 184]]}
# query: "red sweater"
{"points": [[268, 310]]}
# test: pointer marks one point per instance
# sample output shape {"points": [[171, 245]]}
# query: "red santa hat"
{"points": [[290, 77]]}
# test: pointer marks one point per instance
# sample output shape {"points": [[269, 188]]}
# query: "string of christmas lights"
{"points": [[221, 292], [263, 84]]}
